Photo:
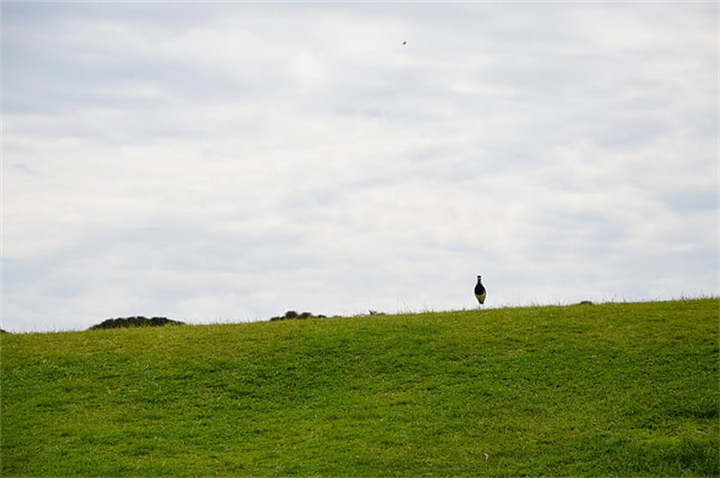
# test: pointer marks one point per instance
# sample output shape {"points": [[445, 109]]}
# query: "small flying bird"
{"points": [[480, 291], [404, 43]]}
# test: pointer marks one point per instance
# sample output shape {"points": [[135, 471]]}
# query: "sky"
{"points": [[229, 161]]}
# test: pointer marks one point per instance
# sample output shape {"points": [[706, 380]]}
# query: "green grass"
{"points": [[585, 390]]}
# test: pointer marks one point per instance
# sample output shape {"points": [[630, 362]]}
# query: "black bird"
{"points": [[480, 291]]}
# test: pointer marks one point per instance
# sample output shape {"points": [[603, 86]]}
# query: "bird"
{"points": [[405, 43], [480, 291]]}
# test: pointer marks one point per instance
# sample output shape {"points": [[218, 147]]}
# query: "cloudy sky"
{"points": [[217, 162]]}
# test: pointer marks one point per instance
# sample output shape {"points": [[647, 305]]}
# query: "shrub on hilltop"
{"points": [[137, 321], [291, 314]]}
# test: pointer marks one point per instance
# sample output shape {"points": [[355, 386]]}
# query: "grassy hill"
{"points": [[610, 389]]}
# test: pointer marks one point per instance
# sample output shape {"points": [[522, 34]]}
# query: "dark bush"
{"points": [[291, 314], [137, 321]]}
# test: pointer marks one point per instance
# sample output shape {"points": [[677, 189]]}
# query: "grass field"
{"points": [[627, 389]]}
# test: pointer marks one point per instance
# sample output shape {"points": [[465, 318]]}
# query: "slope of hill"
{"points": [[610, 389]]}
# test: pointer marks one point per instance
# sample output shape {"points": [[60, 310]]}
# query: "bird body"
{"points": [[480, 292]]}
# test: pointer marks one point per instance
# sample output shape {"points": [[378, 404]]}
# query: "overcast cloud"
{"points": [[230, 161]]}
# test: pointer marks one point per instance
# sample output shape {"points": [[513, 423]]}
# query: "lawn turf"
{"points": [[615, 389]]}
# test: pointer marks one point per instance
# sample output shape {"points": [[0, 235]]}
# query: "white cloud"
{"points": [[239, 160]]}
